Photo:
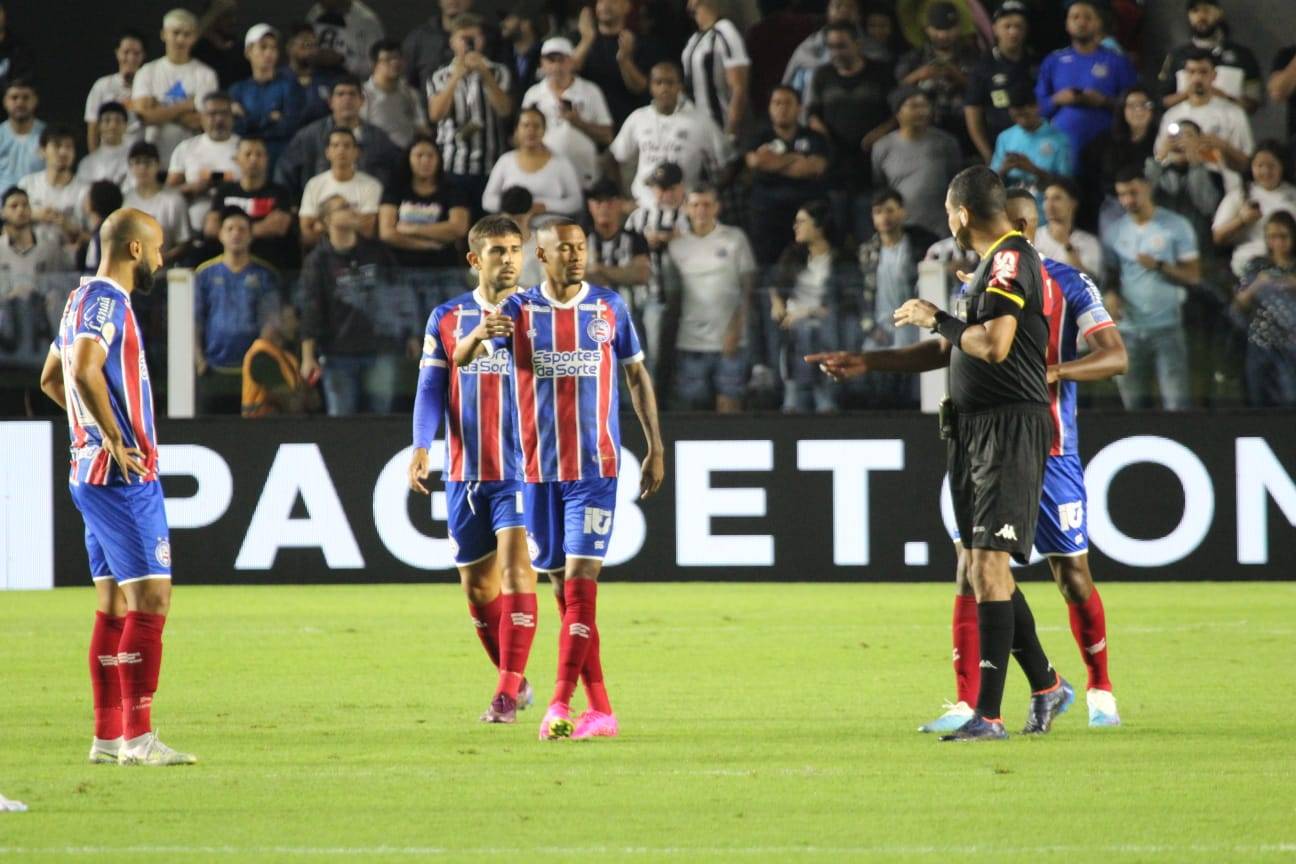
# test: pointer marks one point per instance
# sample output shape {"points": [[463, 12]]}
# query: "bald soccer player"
{"points": [[96, 371]]}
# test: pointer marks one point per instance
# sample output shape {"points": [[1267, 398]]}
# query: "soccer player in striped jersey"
{"points": [[567, 337], [482, 466], [96, 371], [1062, 533]]}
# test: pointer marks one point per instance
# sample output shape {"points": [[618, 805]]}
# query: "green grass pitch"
{"points": [[759, 723]]}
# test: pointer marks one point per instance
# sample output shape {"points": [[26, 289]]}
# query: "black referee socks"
{"points": [[1026, 646], [995, 626]]}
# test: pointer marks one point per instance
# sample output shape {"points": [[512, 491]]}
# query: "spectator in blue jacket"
{"points": [[269, 104]]}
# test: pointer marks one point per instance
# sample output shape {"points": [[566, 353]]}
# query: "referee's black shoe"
{"points": [[978, 729], [1047, 705]]}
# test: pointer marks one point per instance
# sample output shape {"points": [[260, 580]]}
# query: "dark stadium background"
{"points": [[85, 33]]}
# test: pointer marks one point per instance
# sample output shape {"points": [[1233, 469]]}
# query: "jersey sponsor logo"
{"points": [[600, 330], [429, 345], [598, 521], [566, 364], [536, 308], [1007, 532], [498, 363], [162, 552], [1071, 515], [1099, 70], [1004, 266], [97, 315]]}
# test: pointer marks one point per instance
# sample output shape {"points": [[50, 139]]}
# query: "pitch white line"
{"points": [[1160, 849]]}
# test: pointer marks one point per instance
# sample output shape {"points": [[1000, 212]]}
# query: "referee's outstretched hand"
{"points": [[129, 459], [840, 365]]}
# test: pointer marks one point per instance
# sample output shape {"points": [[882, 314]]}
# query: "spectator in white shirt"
{"points": [[345, 30], [670, 129], [1241, 216], [715, 272], [108, 160], [343, 178], [147, 193], [116, 88], [20, 134], [549, 177], [716, 66], [167, 91], [390, 103], [1226, 140], [1059, 239], [578, 121], [34, 267], [56, 196], [203, 162]]}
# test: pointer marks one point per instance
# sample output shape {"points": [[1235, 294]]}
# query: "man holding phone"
{"points": [[468, 100], [577, 119], [203, 162]]}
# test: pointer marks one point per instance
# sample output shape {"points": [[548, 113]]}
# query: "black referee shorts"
{"points": [[996, 469]]}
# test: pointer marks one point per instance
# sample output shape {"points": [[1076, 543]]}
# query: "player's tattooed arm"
{"points": [[491, 326], [644, 399], [51, 380], [88, 358]]}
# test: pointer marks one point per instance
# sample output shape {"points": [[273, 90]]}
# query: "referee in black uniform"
{"points": [[998, 433]]}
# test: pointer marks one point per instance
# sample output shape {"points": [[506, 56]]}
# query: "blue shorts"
{"points": [[571, 519], [126, 532], [1062, 530], [1063, 527], [479, 511]]}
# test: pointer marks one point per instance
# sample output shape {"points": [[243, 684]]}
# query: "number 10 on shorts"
{"points": [[597, 521]]}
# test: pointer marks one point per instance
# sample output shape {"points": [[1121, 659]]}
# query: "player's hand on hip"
{"points": [[839, 365], [419, 468], [129, 459], [651, 474], [918, 313]]}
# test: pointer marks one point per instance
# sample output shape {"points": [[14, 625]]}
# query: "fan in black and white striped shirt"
{"points": [[469, 102], [716, 66]]}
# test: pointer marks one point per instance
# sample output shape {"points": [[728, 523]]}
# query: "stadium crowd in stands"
{"points": [[754, 198]]}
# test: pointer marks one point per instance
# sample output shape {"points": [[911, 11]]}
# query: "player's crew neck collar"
{"points": [[483, 302], [580, 295]]}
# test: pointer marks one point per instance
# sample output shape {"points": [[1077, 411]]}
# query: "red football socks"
{"points": [[104, 680], [592, 676], [967, 649], [139, 657], [1089, 626], [575, 637], [517, 632], [486, 620]]}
